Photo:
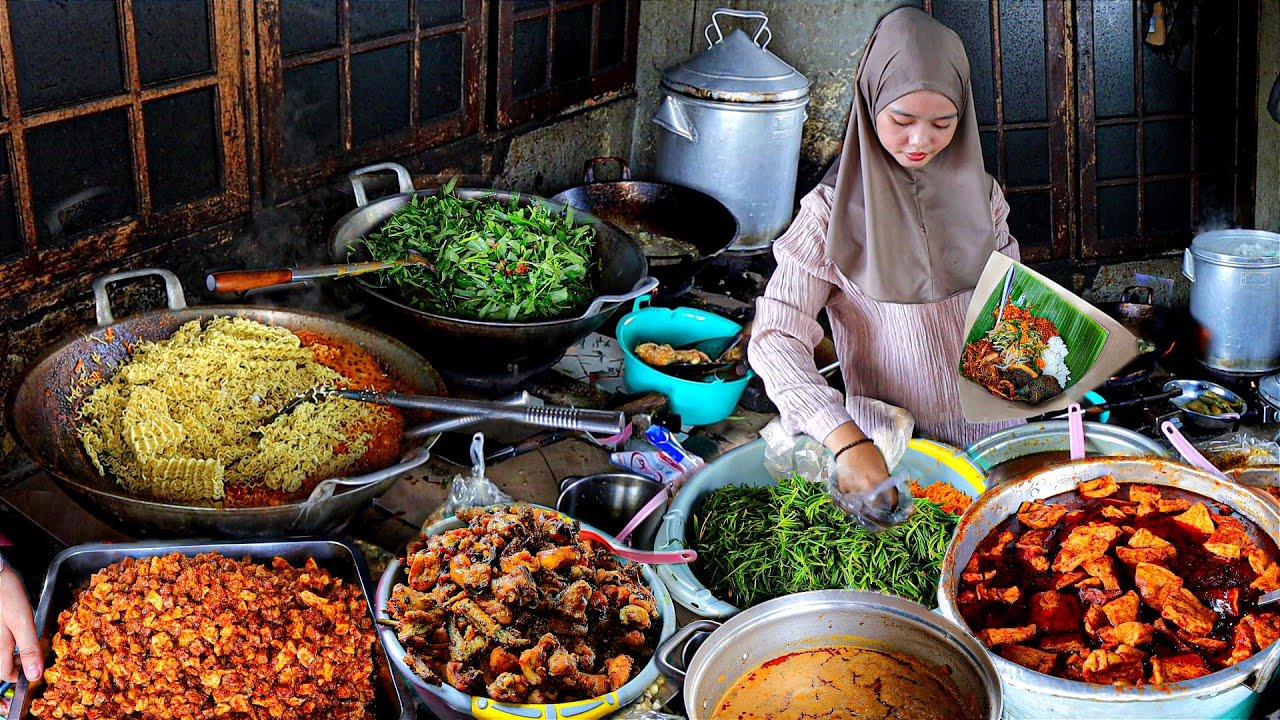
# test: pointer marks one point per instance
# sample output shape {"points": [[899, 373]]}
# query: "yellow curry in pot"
{"points": [[845, 681]]}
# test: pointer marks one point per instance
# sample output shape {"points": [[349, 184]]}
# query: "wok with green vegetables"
{"points": [[490, 258]]}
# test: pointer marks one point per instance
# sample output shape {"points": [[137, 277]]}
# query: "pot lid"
{"points": [[1239, 247], [1269, 389], [736, 69]]}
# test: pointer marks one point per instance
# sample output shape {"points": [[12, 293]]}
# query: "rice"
{"points": [[1055, 361]]}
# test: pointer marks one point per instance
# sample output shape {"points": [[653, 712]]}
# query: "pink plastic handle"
{"points": [[654, 503], [673, 557], [1188, 451], [1075, 429]]}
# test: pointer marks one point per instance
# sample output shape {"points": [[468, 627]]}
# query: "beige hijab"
{"points": [[910, 236]]}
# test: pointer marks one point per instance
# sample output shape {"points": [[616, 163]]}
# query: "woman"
{"points": [[891, 245]]}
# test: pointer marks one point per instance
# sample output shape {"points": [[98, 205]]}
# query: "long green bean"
{"points": [[758, 543]]}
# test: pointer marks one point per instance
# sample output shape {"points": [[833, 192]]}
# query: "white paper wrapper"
{"points": [[981, 406]]}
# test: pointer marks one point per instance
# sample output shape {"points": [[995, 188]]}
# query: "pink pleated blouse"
{"points": [[903, 355]]}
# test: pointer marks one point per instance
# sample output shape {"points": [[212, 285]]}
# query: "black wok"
{"points": [[41, 414], [1152, 323], [483, 347], [684, 214]]}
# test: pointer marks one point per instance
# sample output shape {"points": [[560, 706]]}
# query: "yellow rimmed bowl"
{"points": [[446, 701]]}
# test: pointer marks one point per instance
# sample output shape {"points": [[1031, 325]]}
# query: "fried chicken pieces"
{"points": [[209, 637], [517, 607], [1122, 584]]}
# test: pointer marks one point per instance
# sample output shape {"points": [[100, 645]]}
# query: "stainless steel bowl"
{"points": [[820, 619], [609, 501], [1193, 390], [1229, 693]]}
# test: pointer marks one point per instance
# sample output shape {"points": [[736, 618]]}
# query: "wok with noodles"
{"points": [[1022, 358], [185, 418]]}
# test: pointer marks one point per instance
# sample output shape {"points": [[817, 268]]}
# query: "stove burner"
{"points": [[493, 384]]}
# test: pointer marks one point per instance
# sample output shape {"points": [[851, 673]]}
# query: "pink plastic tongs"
{"points": [[673, 557]]}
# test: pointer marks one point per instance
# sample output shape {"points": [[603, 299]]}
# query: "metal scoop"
{"points": [[244, 280]]}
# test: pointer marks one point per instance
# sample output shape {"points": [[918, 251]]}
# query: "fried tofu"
{"points": [[1040, 516], [1096, 595], [1144, 493], [1196, 520], [1113, 513], [1187, 612], [1085, 543], [1132, 633], [1265, 628], [1095, 619], [1008, 595], [979, 577], [1066, 580], [1146, 547], [1104, 569], [996, 549], [1123, 609], [992, 637], [1072, 642], [1230, 551], [1269, 579], [1242, 646], [1144, 538], [1178, 668], [1165, 507], [1104, 486], [1107, 667], [1258, 560], [1055, 612], [1033, 542], [1030, 658], [1155, 583], [1039, 563]]}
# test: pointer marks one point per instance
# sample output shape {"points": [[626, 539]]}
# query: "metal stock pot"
{"points": [[1235, 299]]}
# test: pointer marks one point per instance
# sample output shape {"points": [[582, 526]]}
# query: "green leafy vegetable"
{"points": [[756, 543], [490, 260]]}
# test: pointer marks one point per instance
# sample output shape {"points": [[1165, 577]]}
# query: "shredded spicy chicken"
{"points": [[178, 638], [516, 606]]}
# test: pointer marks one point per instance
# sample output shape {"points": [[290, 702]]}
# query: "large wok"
{"points": [[42, 418], [482, 347], [688, 215], [1146, 321]]}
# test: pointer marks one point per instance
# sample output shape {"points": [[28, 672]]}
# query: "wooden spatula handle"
{"points": [[242, 280]]}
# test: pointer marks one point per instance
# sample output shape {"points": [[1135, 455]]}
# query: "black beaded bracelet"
{"points": [[852, 445]]}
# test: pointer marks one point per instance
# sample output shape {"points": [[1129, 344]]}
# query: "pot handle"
{"points": [[763, 28], [357, 185], [1262, 677], [1188, 265], [102, 304], [589, 168], [676, 644], [646, 284], [1133, 291], [672, 118]]}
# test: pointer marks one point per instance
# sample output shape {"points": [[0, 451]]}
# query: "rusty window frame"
{"points": [[280, 179], [84, 254], [1145, 243], [509, 111]]}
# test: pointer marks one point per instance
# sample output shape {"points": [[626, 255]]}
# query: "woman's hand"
{"points": [[17, 627], [861, 469]]}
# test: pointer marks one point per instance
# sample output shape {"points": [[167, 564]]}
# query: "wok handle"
{"points": [[244, 280], [1133, 291], [1188, 265], [102, 304], [589, 168], [357, 184], [676, 644], [645, 285]]}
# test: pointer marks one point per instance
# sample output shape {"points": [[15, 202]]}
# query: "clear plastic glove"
{"points": [[17, 628], [877, 505]]}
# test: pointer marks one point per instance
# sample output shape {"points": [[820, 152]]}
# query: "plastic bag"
{"points": [[467, 491], [889, 427], [1239, 450], [659, 456]]}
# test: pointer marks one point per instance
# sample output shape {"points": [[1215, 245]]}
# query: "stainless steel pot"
{"points": [[1029, 695], [820, 619], [42, 416], [609, 501], [1235, 299], [732, 119]]}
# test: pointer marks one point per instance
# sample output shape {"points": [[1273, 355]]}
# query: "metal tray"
{"points": [[74, 566]]}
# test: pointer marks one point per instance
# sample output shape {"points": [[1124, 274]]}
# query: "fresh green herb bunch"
{"points": [[491, 260], [758, 543]]}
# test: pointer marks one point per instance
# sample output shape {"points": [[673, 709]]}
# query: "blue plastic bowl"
{"points": [[697, 403]]}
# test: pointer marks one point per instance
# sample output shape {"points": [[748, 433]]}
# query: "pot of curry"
{"points": [[834, 653], [1120, 587]]}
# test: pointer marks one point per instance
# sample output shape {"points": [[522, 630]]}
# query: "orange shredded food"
{"points": [[950, 499]]}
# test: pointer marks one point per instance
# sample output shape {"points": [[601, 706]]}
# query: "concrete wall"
{"points": [[1267, 205], [823, 39]]}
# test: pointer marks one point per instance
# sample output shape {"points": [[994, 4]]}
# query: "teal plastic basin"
{"points": [[697, 403]]}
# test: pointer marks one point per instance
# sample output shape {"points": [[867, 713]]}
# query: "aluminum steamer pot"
{"points": [[448, 702], [1235, 280], [820, 619], [42, 418], [1029, 695], [488, 347]]}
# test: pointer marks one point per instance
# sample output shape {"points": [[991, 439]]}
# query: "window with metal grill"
{"points": [[119, 122]]}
